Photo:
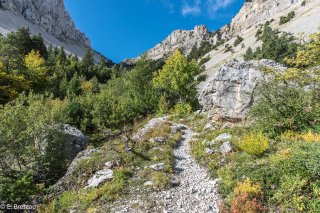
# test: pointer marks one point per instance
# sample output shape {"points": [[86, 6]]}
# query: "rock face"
{"points": [[183, 40], [74, 140], [48, 18], [229, 93], [257, 11], [50, 15], [100, 177], [251, 13], [64, 183]]}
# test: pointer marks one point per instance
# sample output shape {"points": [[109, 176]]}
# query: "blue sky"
{"points": [[122, 29]]}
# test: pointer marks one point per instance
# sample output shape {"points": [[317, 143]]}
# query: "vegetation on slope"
{"points": [[274, 165], [42, 89], [285, 19], [276, 45], [129, 177]]}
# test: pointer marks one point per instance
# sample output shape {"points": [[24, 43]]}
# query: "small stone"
{"points": [[158, 167], [148, 183], [226, 125], [195, 134], [112, 164], [174, 183], [157, 148], [209, 151], [198, 112], [225, 147], [160, 140], [224, 136], [209, 127], [177, 128], [212, 143], [205, 142]]}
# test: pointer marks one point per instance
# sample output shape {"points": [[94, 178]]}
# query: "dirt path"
{"points": [[196, 191]]}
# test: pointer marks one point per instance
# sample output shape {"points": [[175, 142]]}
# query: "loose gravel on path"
{"points": [[196, 191]]}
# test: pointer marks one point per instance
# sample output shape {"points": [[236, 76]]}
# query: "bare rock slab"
{"points": [[100, 177]]}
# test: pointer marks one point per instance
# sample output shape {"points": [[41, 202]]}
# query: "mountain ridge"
{"points": [[48, 18], [251, 13]]}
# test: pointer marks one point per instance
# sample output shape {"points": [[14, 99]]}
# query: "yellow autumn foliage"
{"points": [[247, 187], [291, 136], [308, 55], [254, 143], [34, 62]]}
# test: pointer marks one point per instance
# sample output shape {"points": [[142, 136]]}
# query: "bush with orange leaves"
{"points": [[248, 198]]}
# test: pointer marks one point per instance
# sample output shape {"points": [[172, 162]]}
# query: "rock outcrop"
{"points": [[183, 40], [252, 13], [74, 140], [50, 19], [256, 11], [229, 93], [99, 178], [65, 183], [152, 124], [69, 139], [49, 15]]}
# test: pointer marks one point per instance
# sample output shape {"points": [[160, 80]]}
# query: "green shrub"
{"points": [[228, 48], [163, 106], [201, 77], [254, 143], [19, 190], [285, 104], [248, 197], [275, 46], [177, 78], [182, 109], [28, 126], [285, 19], [238, 41], [204, 60], [258, 33], [197, 53], [289, 177]]}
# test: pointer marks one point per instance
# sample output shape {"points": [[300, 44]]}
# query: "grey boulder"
{"points": [[74, 140], [230, 92]]}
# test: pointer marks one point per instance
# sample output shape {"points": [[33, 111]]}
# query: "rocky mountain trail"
{"points": [[192, 189], [196, 192]]}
